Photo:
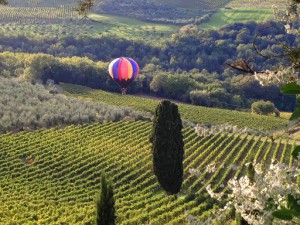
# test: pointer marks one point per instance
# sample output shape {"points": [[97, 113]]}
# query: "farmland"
{"points": [[227, 16], [64, 21], [52, 176], [52, 18], [203, 4], [259, 3], [57, 138], [243, 11], [195, 114]]}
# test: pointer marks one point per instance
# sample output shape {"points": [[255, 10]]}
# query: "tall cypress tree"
{"points": [[167, 147], [105, 214]]}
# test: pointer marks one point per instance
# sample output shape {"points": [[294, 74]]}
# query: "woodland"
{"points": [[195, 57]]}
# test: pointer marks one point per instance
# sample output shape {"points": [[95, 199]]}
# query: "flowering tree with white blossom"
{"points": [[270, 195]]}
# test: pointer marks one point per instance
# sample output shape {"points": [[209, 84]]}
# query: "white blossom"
{"points": [[251, 199], [204, 130], [210, 168]]}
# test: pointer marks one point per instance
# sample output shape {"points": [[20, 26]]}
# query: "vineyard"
{"points": [[196, 114], [64, 21], [56, 19], [52, 176]]}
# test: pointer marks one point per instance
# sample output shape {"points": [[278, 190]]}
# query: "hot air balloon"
{"points": [[123, 71]]}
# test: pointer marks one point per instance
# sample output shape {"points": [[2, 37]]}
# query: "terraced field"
{"points": [[52, 176]]}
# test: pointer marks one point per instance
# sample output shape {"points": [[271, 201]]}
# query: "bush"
{"points": [[189, 197], [199, 98], [263, 107]]}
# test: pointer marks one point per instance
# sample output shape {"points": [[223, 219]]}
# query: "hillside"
{"points": [[260, 4], [52, 176], [226, 16], [64, 123], [196, 114], [24, 106], [148, 19], [161, 11]]}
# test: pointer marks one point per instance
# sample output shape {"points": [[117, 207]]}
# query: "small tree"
{"points": [[167, 147], [84, 6], [263, 108], [105, 214]]}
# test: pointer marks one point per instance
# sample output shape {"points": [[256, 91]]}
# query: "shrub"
{"points": [[263, 107]]}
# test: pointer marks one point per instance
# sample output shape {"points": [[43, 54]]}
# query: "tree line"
{"points": [[199, 88]]}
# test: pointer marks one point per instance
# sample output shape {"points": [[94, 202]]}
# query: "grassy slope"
{"points": [[193, 113], [132, 28], [102, 24], [257, 3], [128, 27], [243, 11], [241, 15], [59, 185], [195, 4]]}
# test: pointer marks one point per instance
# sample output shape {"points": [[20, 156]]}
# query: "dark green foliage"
{"points": [[172, 85], [105, 213], [167, 147], [291, 88], [201, 198], [239, 219], [189, 197], [250, 172], [263, 107], [210, 202], [283, 214], [296, 152]]}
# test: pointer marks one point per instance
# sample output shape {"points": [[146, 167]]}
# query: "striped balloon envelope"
{"points": [[123, 71]]}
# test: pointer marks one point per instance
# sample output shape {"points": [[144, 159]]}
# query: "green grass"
{"points": [[285, 115], [257, 3], [193, 113], [51, 177], [224, 17], [201, 4], [130, 28], [22, 21]]}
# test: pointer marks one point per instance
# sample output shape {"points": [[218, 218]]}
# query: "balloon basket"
{"points": [[123, 91]]}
